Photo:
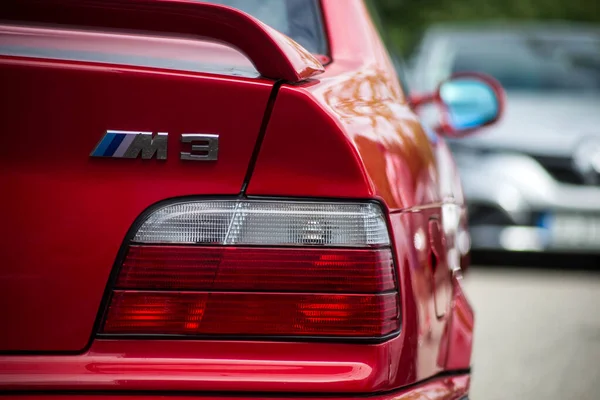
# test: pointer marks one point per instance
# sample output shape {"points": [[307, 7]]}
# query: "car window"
{"points": [[299, 19], [532, 64]]}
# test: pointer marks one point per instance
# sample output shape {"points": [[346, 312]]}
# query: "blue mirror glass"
{"points": [[471, 102]]}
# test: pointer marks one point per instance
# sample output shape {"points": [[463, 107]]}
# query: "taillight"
{"points": [[257, 268]]}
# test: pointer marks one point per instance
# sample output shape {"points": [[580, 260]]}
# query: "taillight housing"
{"points": [[257, 269]]}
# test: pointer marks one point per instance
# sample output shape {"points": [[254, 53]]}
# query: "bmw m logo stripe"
{"points": [[127, 144], [113, 144]]}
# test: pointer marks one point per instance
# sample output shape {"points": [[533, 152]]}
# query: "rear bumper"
{"points": [[454, 387]]}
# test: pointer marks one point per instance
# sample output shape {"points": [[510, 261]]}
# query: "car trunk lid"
{"points": [[66, 212]]}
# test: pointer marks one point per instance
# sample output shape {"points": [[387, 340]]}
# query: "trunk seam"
{"points": [[261, 135]]}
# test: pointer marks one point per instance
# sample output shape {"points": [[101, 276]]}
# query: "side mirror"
{"points": [[467, 102]]}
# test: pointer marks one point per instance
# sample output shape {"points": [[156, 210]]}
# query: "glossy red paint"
{"points": [[384, 152], [75, 210], [446, 388], [347, 133], [387, 154], [204, 366], [460, 337], [274, 55]]}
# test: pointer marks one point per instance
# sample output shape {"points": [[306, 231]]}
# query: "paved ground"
{"points": [[537, 334]]}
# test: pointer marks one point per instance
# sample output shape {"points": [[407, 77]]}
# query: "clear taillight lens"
{"points": [[270, 223], [257, 268]]}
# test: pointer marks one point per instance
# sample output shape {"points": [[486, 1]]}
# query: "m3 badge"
{"points": [[132, 144]]}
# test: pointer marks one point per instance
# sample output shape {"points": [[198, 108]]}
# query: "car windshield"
{"points": [[533, 63], [298, 19]]}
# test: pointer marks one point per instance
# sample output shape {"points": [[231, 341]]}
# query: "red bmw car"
{"points": [[227, 199]]}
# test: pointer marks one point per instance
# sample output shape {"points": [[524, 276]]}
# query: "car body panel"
{"points": [[57, 191], [407, 167], [172, 365], [442, 388], [359, 97], [348, 133], [295, 156]]}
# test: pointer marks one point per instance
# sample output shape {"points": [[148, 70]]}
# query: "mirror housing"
{"points": [[467, 101]]}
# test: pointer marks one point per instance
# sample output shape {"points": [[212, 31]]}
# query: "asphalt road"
{"points": [[537, 334]]}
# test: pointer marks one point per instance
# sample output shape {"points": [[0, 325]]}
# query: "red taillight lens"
{"points": [[258, 269], [250, 268], [274, 314]]}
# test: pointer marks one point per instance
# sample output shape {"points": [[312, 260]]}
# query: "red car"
{"points": [[199, 204]]}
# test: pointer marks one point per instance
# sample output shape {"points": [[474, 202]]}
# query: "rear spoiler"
{"points": [[274, 55]]}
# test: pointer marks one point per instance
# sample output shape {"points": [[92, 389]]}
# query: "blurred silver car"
{"points": [[533, 180]]}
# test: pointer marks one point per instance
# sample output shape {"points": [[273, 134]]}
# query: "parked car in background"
{"points": [[196, 202], [532, 181]]}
